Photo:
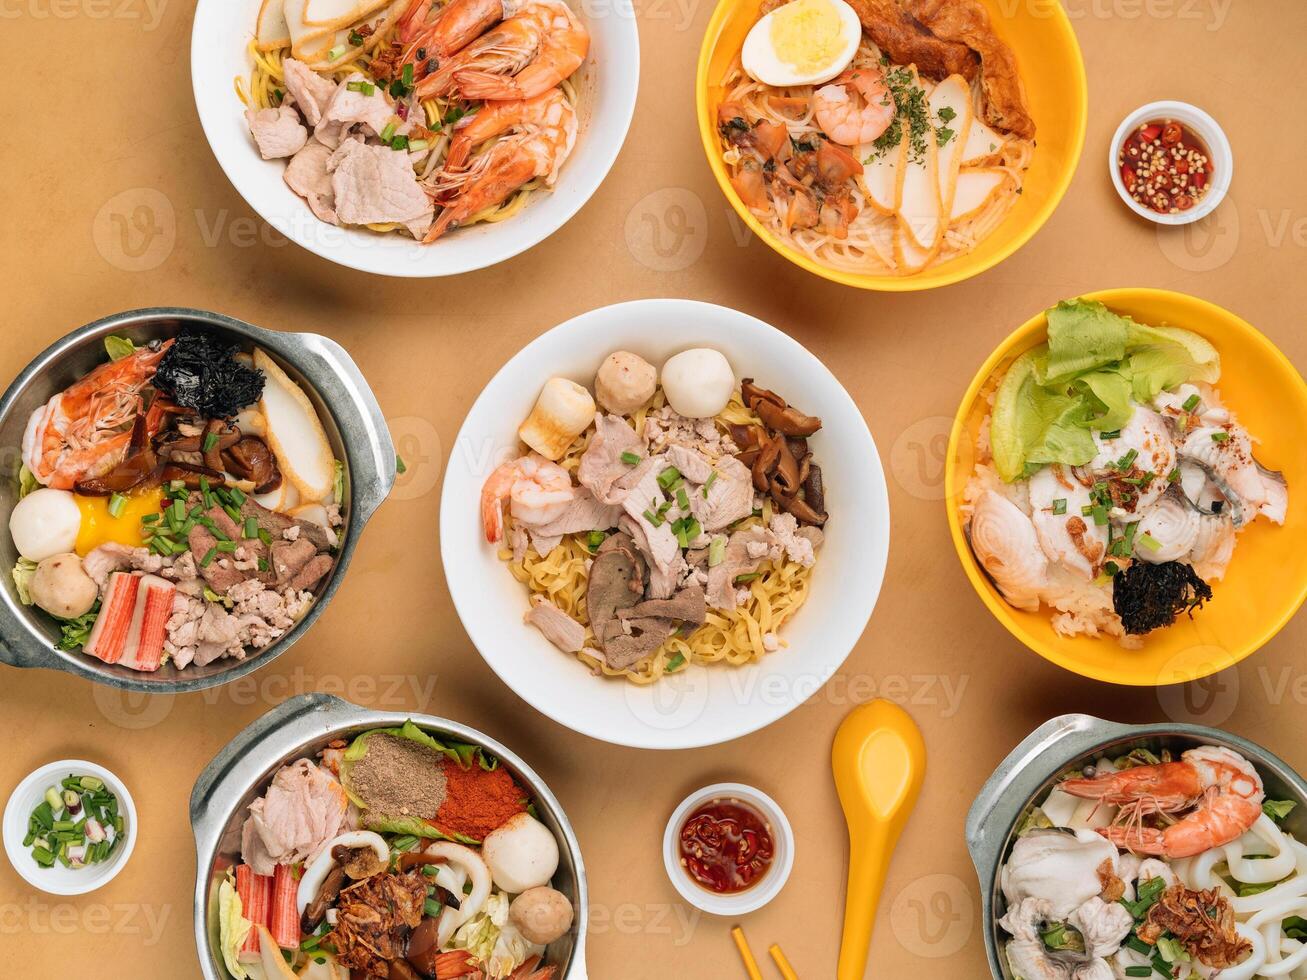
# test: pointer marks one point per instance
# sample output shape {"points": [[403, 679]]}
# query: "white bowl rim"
{"points": [[842, 635], [752, 899], [1211, 133], [366, 251], [65, 882]]}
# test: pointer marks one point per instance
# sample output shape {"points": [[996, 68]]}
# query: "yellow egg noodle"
{"points": [[728, 637]]}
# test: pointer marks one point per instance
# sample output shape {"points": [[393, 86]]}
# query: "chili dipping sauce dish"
{"points": [[1171, 163], [728, 849]]}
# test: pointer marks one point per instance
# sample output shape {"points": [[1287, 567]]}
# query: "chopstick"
{"points": [[746, 954], [782, 963]]}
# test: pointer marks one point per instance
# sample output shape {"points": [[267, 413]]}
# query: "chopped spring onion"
{"points": [[1192, 402], [264, 566], [1220, 437], [335, 53], [417, 146], [1126, 461], [712, 478], [630, 458], [717, 551], [1173, 476], [237, 495], [653, 518], [1100, 515], [117, 504], [675, 662], [1138, 971], [251, 527], [399, 143], [682, 500], [745, 579], [227, 547], [388, 133], [595, 539], [1111, 569], [363, 88], [265, 536], [1086, 510], [210, 441], [407, 75], [1059, 506], [356, 39], [1114, 434], [206, 492], [1150, 542], [668, 476], [432, 908], [209, 555]]}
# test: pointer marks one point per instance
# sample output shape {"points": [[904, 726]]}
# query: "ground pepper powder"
{"points": [[477, 801]]}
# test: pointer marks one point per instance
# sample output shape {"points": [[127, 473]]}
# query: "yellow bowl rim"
{"points": [[1017, 342], [893, 284]]}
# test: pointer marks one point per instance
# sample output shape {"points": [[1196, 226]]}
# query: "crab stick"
{"points": [[255, 893], [284, 916], [144, 647], [109, 634]]}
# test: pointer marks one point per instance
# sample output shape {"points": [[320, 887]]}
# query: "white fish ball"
{"points": [[698, 382], [45, 523]]}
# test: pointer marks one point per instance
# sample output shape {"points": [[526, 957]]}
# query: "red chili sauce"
{"points": [[1165, 166], [726, 846]]}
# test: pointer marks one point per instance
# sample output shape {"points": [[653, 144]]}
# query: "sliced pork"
{"points": [[729, 497], [558, 628], [375, 185], [307, 176], [694, 465], [745, 552], [602, 465], [278, 133], [353, 108], [311, 91], [644, 501], [302, 811]]}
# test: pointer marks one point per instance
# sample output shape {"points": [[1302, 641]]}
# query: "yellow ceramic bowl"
{"points": [[1054, 74], [1267, 579]]}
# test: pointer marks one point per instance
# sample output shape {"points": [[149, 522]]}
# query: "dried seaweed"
{"points": [[1149, 597], [200, 372]]}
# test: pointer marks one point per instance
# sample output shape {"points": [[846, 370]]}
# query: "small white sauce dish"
{"points": [[761, 893], [59, 880], [1206, 129]]}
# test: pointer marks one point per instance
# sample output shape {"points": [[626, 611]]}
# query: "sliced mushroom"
{"points": [[814, 490], [189, 474], [752, 395], [218, 435], [788, 420], [787, 476], [801, 509], [251, 459], [766, 461]]}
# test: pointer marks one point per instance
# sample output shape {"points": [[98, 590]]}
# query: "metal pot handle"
{"points": [[372, 474], [241, 762], [18, 648], [1051, 747]]}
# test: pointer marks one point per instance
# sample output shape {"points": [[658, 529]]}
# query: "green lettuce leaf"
{"points": [[23, 571], [1082, 336], [77, 632], [1110, 393], [27, 481], [1162, 358], [118, 347]]}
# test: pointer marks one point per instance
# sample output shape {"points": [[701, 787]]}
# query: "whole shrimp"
{"points": [[537, 492], [841, 118], [84, 431], [539, 45], [457, 25], [543, 131], [1220, 788]]}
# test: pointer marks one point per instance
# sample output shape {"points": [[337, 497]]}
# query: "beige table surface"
{"points": [[102, 124]]}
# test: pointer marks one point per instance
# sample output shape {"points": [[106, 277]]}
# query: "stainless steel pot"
{"points": [[333, 383], [300, 727], [1067, 744]]}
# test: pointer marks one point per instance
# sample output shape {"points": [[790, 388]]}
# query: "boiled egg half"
{"points": [[804, 42]]}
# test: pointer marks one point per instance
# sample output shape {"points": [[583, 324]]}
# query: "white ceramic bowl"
{"points": [[1207, 129], [606, 83], [763, 891], [60, 880], [697, 705]]}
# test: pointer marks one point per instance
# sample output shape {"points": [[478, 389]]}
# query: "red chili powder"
{"points": [[476, 801]]}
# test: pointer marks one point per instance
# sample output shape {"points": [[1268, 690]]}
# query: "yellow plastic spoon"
{"points": [[879, 761]]}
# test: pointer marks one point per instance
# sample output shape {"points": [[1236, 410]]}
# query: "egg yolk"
{"points": [[100, 527], [807, 34]]}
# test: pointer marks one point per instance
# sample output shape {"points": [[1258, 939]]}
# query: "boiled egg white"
{"points": [[804, 42]]}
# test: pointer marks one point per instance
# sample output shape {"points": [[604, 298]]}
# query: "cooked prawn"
{"points": [[538, 149], [562, 42], [1220, 788], [841, 117], [544, 112], [458, 24], [84, 431], [537, 490]]}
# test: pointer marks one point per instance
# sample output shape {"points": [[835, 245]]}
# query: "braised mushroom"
{"points": [[251, 459]]}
